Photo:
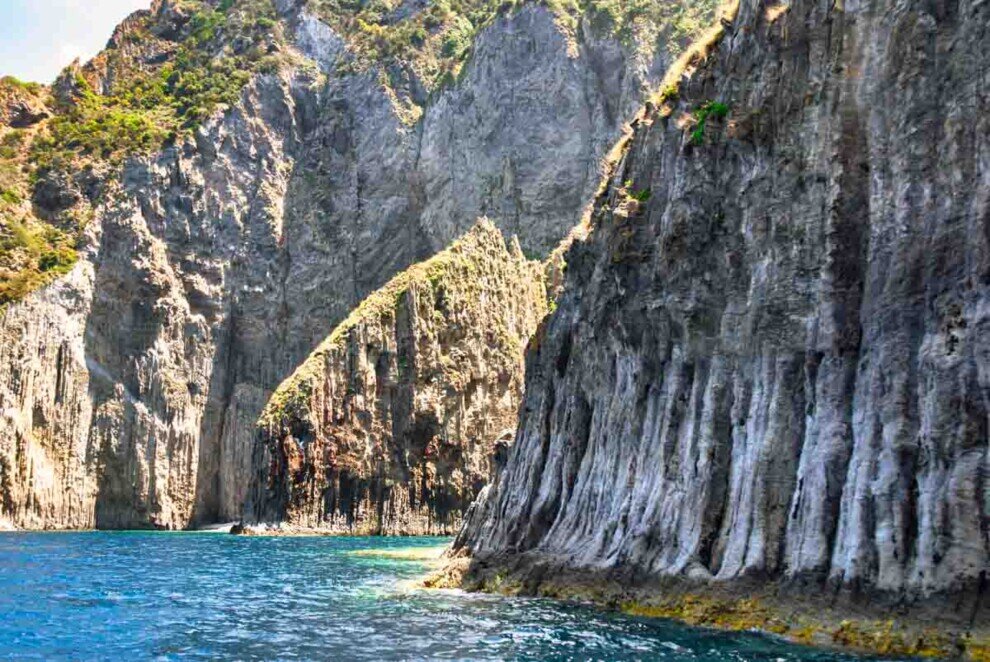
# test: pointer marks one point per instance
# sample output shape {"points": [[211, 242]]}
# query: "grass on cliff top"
{"points": [[436, 40], [204, 68], [292, 396], [160, 89], [13, 82]]}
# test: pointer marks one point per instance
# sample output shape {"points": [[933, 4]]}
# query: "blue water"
{"points": [[132, 596]]}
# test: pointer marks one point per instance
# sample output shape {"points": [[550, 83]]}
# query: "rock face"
{"points": [[20, 105], [46, 479], [130, 389], [770, 360], [394, 423]]}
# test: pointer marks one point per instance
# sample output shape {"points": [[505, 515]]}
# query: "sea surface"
{"points": [[136, 596]]}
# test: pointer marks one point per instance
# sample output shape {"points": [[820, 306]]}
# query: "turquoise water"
{"points": [[132, 596]]}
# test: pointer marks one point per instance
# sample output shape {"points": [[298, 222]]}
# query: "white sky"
{"points": [[39, 37]]}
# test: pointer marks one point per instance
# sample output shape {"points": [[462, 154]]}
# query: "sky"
{"points": [[39, 37]]}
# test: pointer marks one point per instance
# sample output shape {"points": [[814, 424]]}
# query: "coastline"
{"points": [[235, 528], [294, 531], [800, 614]]}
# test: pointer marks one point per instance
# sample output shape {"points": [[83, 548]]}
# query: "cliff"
{"points": [[768, 372], [194, 210], [394, 423]]}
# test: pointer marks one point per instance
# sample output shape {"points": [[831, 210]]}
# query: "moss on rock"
{"points": [[395, 418], [795, 617]]}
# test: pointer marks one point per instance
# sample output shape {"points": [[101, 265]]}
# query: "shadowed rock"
{"points": [[392, 424], [212, 268], [769, 362]]}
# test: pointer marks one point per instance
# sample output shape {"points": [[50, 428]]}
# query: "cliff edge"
{"points": [[768, 372]]}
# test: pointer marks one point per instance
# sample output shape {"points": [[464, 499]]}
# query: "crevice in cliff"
{"points": [[719, 459], [538, 517], [207, 506]]}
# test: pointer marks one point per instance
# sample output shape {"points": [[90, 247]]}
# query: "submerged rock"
{"points": [[392, 425]]}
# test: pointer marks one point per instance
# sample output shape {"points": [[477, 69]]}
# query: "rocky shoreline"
{"points": [[287, 530], [953, 626], [766, 376]]}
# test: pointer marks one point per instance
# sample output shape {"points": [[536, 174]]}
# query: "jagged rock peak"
{"points": [[228, 181]]}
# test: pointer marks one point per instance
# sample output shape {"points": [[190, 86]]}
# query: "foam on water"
{"points": [[208, 596]]}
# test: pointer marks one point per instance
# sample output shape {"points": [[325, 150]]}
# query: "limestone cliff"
{"points": [[769, 368], [394, 423], [220, 187]]}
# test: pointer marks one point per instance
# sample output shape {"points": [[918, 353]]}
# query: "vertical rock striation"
{"points": [[393, 424], [770, 361], [210, 269], [46, 467]]}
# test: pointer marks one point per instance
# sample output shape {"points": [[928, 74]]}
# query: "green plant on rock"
{"points": [[648, 21], [670, 92], [207, 65], [149, 106], [14, 82], [701, 115], [434, 42], [643, 195], [99, 129], [31, 256]]}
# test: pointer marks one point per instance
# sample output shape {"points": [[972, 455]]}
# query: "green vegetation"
{"points": [[204, 67], [700, 48], [14, 82], [648, 20], [670, 92], [150, 90], [32, 253], [701, 115], [643, 195], [31, 256], [433, 42], [455, 264], [98, 128], [444, 289], [148, 107], [436, 41]]}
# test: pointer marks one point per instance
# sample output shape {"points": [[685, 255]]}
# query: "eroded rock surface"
{"points": [[397, 420], [770, 360], [214, 267]]}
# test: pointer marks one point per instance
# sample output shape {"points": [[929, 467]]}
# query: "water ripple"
{"points": [[184, 596]]}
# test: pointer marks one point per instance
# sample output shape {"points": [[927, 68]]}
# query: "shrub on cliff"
{"points": [[159, 88]]}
